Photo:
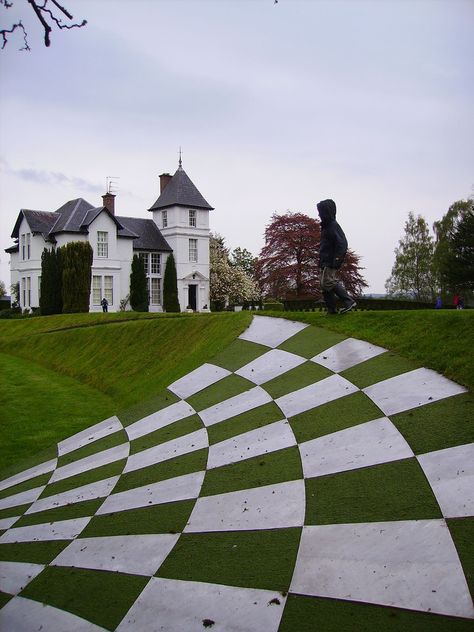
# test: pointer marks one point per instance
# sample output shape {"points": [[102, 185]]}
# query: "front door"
{"points": [[192, 297]]}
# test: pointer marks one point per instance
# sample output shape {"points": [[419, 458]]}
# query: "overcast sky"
{"points": [[276, 106]]}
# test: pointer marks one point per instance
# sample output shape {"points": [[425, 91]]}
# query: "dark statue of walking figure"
{"points": [[332, 250], [105, 305]]}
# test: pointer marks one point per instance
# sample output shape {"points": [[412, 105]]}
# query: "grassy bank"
{"points": [[439, 340], [64, 373]]}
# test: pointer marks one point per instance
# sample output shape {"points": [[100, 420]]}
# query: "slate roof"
{"points": [[71, 216], [149, 235], [75, 217], [38, 221], [180, 191]]}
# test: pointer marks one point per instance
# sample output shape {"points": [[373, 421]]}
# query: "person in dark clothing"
{"points": [[332, 250], [105, 305]]}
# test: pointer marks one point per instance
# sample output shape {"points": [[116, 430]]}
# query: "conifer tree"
{"points": [[51, 282], [139, 299], [170, 287], [77, 259]]}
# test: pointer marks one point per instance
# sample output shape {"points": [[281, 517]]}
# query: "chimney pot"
{"points": [[164, 180], [109, 202]]}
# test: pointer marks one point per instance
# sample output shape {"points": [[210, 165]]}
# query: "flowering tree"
{"points": [[229, 283], [288, 264]]}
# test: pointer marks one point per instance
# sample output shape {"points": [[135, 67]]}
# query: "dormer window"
{"points": [[102, 243], [164, 219], [192, 218]]}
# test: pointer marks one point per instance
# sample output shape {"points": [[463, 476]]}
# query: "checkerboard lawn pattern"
{"points": [[91, 493]]}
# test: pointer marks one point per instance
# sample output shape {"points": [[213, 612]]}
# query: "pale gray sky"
{"points": [[276, 106]]}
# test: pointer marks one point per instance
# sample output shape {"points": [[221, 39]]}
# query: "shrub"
{"points": [[170, 287], [77, 259], [139, 299]]}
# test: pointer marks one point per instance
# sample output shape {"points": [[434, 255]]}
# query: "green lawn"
{"points": [[63, 373], [439, 340], [60, 378]]}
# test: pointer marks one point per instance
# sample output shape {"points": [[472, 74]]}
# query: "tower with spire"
{"points": [[182, 215]]}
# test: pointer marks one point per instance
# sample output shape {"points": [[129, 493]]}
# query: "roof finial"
{"points": [[180, 163]]}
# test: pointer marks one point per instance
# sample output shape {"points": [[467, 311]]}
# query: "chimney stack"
{"points": [[109, 202], [164, 180]]}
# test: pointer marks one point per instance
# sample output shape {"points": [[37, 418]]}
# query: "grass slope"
{"points": [[64, 373], [439, 340]]}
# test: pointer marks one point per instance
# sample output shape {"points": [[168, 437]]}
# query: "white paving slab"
{"points": [[270, 365], [77, 495], [14, 576], [270, 438], [183, 606], [159, 419], [91, 462], [134, 554], [170, 490], [60, 530], [235, 406], [26, 615], [410, 390], [271, 332], [450, 473], [347, 353], [89, 435], [198, 379], [28, 496], [406, 564], [32, 472], [367, 444], [321, 392], [267, 507], [168, 450], [6, 523]]}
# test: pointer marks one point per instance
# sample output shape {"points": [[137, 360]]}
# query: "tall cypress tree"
{"points": [[45, 302], [170, 287], [139, 299], [51, 282], [77, 259]]}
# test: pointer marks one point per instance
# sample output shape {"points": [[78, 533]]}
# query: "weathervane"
{"points": [[180, 162]]}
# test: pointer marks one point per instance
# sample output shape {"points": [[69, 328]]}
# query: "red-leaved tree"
{"points": [[288, 264]]}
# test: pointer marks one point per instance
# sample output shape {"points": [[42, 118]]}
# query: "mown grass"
{"points": [[63, 373], [439, 340]]}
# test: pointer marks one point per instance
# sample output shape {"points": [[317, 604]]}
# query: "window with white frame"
{"points": [[39, 289], [96, 290], [109, 289], [155, 291], [155, 263], [145, 258], [28, 245], [192, 218], [102, 287], [23, 246], [28, 291], [164, 219], [193, 250], [102, 243], [23, 290]]}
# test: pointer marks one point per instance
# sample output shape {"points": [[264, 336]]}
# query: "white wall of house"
{"points": [[111, 263], [25, 265], [182, 236]]}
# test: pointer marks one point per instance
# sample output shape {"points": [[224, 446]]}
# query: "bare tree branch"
{"points": [[47, 28], [46, 17], [5, 32]]}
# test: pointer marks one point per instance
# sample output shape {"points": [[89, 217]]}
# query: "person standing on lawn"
{"points": [[332, 250]]}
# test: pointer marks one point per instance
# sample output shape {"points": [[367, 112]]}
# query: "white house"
{"points": [[179, 224]]}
